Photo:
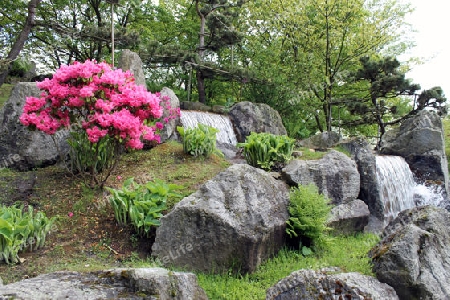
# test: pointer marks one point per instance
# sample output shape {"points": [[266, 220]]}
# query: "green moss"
{"points": [[5, 92]]}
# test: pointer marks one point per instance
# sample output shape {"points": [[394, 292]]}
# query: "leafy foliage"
{"points": [[265, 150], [308, 212], [85, 157], [385, 83], [21, 230], [141, 205], [200, 140]]}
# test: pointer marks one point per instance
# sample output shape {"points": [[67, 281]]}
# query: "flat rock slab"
{"points": [[141, 283]]}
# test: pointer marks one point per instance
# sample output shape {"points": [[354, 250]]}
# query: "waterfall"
{"points": [[398, 190], [190, 119]]}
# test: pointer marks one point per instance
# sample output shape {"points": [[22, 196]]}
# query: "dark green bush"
{"points": [[308, 212], [265, 150]]}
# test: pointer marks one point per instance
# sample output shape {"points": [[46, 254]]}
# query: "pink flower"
{"points": [[103, 100], [119, 177], [70, 214]]}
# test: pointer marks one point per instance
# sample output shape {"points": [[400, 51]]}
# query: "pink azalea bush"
{"points": [[99, 99], [104, 110]]}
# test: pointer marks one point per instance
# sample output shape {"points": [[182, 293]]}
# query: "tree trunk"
{"points": [[201, 86], [21, 39]]}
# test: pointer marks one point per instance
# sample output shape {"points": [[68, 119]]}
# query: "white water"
{"points": [[398, 190], [190, 119]]}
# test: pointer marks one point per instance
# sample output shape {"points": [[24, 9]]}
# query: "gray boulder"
{"points": [[420, 140], [21, 148], [329, 285], [234, 221], [171, 104], [142, 283], [321, 141], [335, 175], [131, 61], [413, 256], [349, 218], [365, 158], [248, 117]]}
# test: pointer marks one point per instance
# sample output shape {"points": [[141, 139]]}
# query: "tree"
{"points": [[321, 41], [385, 82], [217, 16], [21, 39]]}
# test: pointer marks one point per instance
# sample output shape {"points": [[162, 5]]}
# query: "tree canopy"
{"points": [[321, 63]]}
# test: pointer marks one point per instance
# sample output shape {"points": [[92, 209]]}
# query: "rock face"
{"points": [[171, 106], [131, 61], [349, 218], [420, 140], [414, 254], [248, 117], [21, 148], [313, 285], [365, 159], [335, 175], [321, 141], [234, 221], [143, 283]]}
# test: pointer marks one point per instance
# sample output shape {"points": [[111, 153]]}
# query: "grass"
{"points": [[346, 252]]}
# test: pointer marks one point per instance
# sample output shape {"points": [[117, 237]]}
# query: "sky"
{"points": [[431, 20]]}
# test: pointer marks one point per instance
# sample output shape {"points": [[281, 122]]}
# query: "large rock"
{"points": [[326, 285], [366, 163], [21, 148], [321, 141], [248, 117], [142, 283], [171, 106], [414, 254], [420, 140], [234, 221], [349, 218], [131, 61], [335, 175]]}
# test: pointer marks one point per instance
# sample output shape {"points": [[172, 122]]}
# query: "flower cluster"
{"points": [[103, 101]]}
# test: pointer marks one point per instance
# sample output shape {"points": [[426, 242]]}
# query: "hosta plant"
{"points": [[21, 230], [141, 205], [200, 140], [265, 150]]}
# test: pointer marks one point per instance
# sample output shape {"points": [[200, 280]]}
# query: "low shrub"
{"points": [[87, 158], [141, 205], [308, 212], [21, 231], [265, 150], [200, 140]]}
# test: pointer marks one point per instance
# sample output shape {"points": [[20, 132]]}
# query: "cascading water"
{"points": [[190, 119], [398, 190]]}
